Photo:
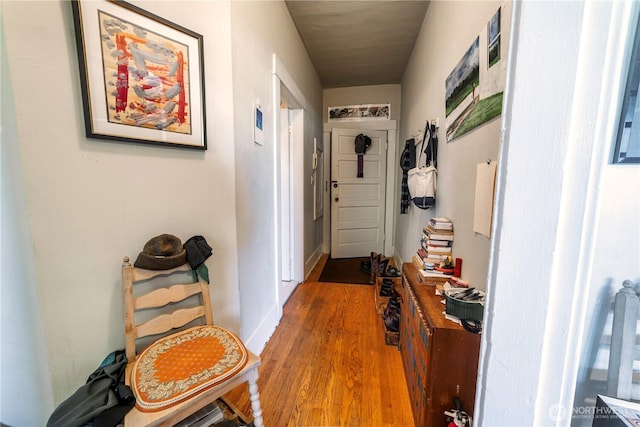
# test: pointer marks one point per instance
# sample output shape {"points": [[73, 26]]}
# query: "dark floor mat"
{"points": [[345, 270]]}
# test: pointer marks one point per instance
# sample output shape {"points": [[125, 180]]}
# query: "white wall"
{"points": [[23, 359], [260, 29], [90, 202], [448, 30]]}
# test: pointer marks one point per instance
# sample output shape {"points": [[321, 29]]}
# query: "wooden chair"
{"points": [[624, 349], [165, 317]]}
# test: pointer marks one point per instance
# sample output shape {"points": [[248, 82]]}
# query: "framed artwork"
{"points": [[360, 112], [141, 76], [474, 92], [461, 89]]}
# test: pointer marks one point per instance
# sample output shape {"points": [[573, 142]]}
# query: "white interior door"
{"points": [[357, 204]]}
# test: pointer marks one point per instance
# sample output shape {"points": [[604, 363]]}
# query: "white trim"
{"points": [[363, 124], [281, 72], [312, 261], [277, 194], [389, 220], [267, 326], [296, 123], [326, 218]]}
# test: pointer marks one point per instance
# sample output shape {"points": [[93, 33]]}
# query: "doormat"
{"points": [[345, 270]]}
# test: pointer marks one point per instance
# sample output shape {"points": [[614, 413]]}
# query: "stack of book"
{"points": [[437, 240], [435, 246]]}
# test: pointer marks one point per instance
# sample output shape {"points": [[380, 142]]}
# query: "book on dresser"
{"points": [[422, 260], [446, 250], [434, 242], [435, 273], [432, 234], [441, 223]]}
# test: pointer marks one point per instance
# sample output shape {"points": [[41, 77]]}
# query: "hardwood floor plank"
{"points": [[327, 363]]}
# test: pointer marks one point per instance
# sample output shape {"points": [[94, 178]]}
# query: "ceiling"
{"points": [[358, 43]]}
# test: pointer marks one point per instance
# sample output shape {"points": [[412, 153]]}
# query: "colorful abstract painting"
{"points": [[144, 76], [141, 75]]}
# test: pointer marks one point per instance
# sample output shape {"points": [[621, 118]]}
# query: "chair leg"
{"points": [[254, 395]]}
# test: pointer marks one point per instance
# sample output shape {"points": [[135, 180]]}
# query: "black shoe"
{"points": [[386, 291], [392, 272], [365, 267], [393, 306], [392, 322]]}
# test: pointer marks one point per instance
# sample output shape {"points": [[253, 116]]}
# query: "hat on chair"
{"points": [[162, 252]]}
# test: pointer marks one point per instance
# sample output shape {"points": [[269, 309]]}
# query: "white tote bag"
{"points": [[422, 179], [422, 186]]}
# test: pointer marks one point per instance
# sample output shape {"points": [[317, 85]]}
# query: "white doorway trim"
{"points": [[548, 335], [390, 126], [282, 79]]}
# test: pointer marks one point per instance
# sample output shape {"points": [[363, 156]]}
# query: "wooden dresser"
{"points": [[440, 358]]}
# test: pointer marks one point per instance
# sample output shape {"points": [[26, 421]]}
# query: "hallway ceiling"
{"points": [[358, 43]]}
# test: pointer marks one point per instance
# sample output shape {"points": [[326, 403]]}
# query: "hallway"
{"points": [[327, 364]]}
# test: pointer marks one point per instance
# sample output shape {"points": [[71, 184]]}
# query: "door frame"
{"points": [[291, 171], [390, 126], [282, 79]]}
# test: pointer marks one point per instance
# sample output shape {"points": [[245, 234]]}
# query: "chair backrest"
{"points": [[621, 381], [154, 304]]}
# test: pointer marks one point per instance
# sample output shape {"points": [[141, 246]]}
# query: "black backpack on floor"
{"points": [[102, 402]]}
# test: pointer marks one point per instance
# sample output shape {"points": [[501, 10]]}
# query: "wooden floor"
{"points": [[327, 363]]}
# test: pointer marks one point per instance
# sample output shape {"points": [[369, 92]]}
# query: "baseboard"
{"points": [[312, 261], [398, 260], [287, 289], [261, 335]]}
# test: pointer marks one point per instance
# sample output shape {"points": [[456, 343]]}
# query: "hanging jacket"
{"points": [[407, 161]]}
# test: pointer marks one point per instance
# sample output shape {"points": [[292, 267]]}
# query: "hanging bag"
{"points": [[422, 179]]}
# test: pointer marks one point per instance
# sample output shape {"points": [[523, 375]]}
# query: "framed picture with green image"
{"points": [[474, 88]]}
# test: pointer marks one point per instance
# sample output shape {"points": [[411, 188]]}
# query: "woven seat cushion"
{"points": [[184, 364]]}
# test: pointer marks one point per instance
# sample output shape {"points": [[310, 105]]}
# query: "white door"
{"points": [[357, 204]]}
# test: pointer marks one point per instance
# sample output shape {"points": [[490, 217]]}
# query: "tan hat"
{"points": [[162, 252]]}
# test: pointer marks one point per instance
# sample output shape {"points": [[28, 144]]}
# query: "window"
{"points": [[627, 148]]}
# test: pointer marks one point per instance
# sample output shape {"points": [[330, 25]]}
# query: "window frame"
{"points": [[632, 79]]}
